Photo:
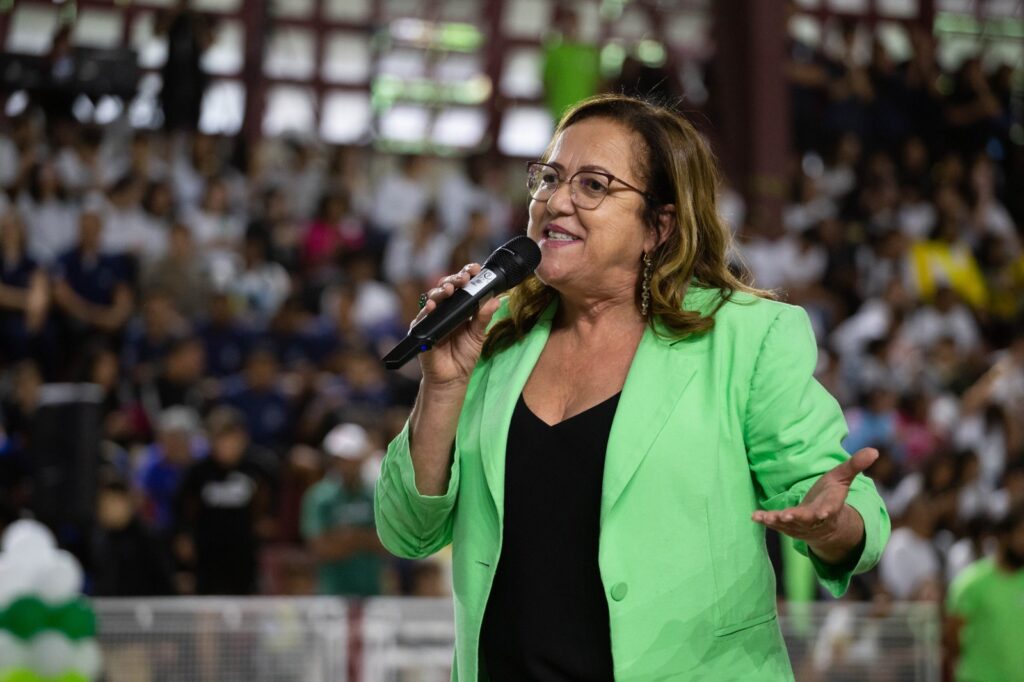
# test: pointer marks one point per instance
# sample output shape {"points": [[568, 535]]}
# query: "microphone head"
{"points": [[516, 259]]}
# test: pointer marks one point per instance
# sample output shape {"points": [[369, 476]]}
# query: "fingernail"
{"points": [[787, 517]]}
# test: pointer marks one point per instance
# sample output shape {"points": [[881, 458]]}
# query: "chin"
{"points": [[552, 277]]}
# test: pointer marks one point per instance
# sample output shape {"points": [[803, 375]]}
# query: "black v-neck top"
{"points": [[547, 614]]}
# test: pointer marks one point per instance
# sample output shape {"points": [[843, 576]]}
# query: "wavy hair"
{"points": [[679, 169]]}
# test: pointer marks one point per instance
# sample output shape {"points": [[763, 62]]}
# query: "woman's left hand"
{"points": [[830, 527]]}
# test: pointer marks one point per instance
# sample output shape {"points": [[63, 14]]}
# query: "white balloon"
{"points": [[88, 659], [51, 654], [13, 652], [60, 579], [16, 580], [26, 533]]}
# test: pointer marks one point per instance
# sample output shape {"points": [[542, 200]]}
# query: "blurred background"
{"points": [[216, 216]]}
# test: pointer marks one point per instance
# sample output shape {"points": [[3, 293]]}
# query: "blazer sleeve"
{"points": [[793, 430], [409, 524]]}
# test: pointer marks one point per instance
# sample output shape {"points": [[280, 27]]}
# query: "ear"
{"points": [[666, 225]]}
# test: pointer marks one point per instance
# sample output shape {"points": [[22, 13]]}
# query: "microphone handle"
{"points": [[446, 317], [443, 320]]}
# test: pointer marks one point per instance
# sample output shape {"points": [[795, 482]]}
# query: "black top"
{"points": [[547, 615]]}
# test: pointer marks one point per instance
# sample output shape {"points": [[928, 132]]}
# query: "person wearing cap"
{"points": [[337, 518]]}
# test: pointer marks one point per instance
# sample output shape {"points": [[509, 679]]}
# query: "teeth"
{"points": [[561, 236]]}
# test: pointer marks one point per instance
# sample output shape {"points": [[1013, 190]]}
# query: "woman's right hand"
{"points": [[450, 363]]}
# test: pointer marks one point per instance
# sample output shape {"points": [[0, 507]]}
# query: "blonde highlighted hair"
{"points": [[678, 168]]}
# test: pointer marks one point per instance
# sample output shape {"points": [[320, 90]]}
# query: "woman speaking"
{"points": [[605, 446]]}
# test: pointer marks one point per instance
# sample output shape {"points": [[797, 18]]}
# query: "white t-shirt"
{"points": [[51, 228], [908, 562], [398, 203]]}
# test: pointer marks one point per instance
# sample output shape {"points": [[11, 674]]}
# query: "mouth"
{"points": [[557, 234]]}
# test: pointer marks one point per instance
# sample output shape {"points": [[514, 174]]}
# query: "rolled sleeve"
{"points": [[793, 430], [410, 524]]}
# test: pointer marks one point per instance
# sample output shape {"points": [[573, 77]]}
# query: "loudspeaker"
{"points": [[65, 454]]}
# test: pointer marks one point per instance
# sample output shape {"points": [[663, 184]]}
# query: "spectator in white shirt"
{"points": [[946, 318], [127, 229], [421, 255], [401, 197], [51, 218], [909, 568], [218, 234]]}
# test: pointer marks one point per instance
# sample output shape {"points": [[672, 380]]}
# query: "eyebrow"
{"points": [[587, 167]]}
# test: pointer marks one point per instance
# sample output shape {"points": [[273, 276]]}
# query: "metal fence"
{"points": [[410, 640]]}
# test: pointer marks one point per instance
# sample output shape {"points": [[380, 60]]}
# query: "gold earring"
{"points": [[645, 285]]}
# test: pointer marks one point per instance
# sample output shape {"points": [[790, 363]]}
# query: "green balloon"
{"points": [[25, 617], [75, 619], [20, 675]]}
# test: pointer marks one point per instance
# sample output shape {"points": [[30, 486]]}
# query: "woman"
{"points": [[50, 216], [602, 455], [24, 295]]}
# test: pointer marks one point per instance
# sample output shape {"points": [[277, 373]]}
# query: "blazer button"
{"points": [[619, 591]]}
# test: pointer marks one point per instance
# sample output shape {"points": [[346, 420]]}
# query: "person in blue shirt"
{"points": [[24, 292], [257, 395], [164, 463], [92, 290], [225, 338]]}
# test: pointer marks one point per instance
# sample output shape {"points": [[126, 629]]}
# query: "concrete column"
{"points": [[751, 105]]}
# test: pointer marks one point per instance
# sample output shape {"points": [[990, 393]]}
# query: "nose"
{"points": [[561, 202]]}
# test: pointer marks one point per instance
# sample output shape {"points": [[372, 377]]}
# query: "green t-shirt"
{"points": [[991, 602], [328, 506]]}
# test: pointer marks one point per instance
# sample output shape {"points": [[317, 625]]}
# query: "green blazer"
{"points": [[708, 429]]}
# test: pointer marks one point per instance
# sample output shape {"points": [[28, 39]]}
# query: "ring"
{"points": [[422, 301]]}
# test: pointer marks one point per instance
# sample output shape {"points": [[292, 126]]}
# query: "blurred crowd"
{"points": [[899, 240], [231, 303], [902, 239]]}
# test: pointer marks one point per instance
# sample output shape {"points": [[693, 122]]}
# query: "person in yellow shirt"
{"points": [[944, 259]]}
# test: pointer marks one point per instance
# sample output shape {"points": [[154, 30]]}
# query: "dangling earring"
{"points": [[645, 285]]}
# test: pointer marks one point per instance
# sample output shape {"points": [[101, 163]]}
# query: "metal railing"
{"points": [[323, 639]]}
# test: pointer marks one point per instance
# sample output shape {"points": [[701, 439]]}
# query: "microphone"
{"points": [[506, 267]]}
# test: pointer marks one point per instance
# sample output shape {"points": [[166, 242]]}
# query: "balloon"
{"points": [[60, 579], [27, 562], [25, 617], [88, 659], [75, 619], [51, 654], [15, 580], [25, 533], [13, 652], [20, 675]]}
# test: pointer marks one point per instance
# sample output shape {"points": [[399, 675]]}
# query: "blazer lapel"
{"points": [[657, 379], [508, 374]]}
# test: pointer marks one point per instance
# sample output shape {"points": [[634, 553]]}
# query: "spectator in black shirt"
{"points": [[127, 558], [224, 508], [179, 379]]}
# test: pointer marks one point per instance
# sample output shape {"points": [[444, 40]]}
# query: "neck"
{"points": [[582, 316]]}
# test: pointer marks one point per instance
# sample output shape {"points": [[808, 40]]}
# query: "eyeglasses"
{"points": [[587, 189]]}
